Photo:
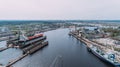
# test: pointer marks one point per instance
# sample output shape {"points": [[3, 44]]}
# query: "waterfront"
{"points": [[73, 52]]}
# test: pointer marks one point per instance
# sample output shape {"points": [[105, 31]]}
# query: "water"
{"points": [[73, 53], [9, 54], [3, 44], [90, 28]]}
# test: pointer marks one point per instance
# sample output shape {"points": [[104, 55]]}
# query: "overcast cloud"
{"points": [[59, 9]]}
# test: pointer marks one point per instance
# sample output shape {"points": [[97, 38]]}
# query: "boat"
{"points": [[26, 41], [106, 57], [35, 36]]}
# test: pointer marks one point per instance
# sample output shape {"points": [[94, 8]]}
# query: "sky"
{"points": [[59, 9]]}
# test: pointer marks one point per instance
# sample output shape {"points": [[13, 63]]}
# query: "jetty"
{"points": [[2, 49], [16, 60], [31, 51]]}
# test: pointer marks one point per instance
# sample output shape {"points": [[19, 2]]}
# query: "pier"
{"points": [[88, 43], [31, 51], [2, 49], [16, 60]]}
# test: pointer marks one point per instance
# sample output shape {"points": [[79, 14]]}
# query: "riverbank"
{"points": [[74, 53], [91, 43]]}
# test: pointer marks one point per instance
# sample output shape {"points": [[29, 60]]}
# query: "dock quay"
{"points": [[16, 60], [86, 41], [2, 49], [80, 38], [94, 47], [31, 51]]}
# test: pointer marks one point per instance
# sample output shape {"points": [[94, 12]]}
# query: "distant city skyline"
{"points": [[59, 10]]}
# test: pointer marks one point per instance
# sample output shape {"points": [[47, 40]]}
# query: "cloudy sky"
{"points": [[59, 9]]}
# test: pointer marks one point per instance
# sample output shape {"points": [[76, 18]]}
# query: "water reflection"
{"points": [[73, 52]]}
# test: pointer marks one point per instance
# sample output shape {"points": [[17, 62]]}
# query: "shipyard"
{"points": [[59, 33], [100, 41], [27, 40], [47, 44]]}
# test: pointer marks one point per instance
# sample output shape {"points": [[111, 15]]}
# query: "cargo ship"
{"points": [[108, 57], [27, 41]]}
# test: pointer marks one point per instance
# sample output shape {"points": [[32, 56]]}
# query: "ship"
{"points": [[109, 57], [27, 41]]}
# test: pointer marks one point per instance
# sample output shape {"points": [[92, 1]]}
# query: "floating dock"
{"points": [[25, 50], [36, 48], [28, 43]]}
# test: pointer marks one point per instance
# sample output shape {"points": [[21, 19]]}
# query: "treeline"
{"points": [[113, 32]]}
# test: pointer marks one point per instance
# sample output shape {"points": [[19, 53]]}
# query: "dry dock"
{"points": [[38, 47]]}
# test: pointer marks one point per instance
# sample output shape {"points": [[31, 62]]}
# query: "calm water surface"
{"points": [[72, 52]]}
